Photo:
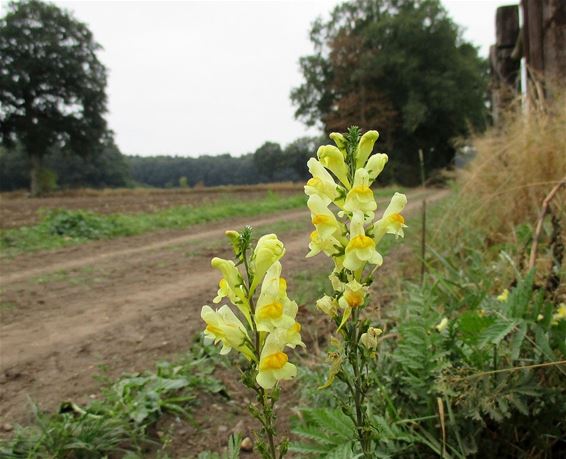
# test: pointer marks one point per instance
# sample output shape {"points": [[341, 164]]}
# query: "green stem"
{"points": [[359, 389], [264, 399], [267, 405]]}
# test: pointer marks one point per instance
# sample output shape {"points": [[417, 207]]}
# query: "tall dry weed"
{"points": [[516, 165]]}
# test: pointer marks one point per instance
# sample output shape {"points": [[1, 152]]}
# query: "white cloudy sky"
{"points": [[189, 78]]}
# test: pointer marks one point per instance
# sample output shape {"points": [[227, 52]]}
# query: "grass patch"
{"points": [[59, 228]]}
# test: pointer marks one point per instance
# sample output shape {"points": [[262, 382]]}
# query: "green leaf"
{"points": [[496, 332], [517, 341], [471, 325]]}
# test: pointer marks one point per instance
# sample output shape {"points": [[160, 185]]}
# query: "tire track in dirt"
{"points": [[103, 312], [106, 255], [124, 326]]}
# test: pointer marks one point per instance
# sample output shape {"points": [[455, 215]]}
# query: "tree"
{"points": [[298, 152], [108, 168], [399, 66], [52, 85], [268, 159]]}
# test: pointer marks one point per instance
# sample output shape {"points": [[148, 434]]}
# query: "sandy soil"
{"points": [[116, 305]]}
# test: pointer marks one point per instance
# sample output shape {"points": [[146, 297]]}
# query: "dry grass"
{"points": [[516, 166]]}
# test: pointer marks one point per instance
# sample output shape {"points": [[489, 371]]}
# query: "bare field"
{"points": [[16, 209], [118, 306]]}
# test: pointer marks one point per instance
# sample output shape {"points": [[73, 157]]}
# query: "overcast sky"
{"points": [[191, 78]]}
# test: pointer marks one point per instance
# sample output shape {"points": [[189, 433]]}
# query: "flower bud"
{"points": [[375, 165], [365, 147], [268, 250], [340, 141], [234, 238], [333, 159], [229, 271]]}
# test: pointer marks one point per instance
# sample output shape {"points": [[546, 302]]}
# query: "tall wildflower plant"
{"points": [[260, 328], [343, 212]]}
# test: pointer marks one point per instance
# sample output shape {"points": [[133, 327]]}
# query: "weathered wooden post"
{"points": [[544, 37], [505, 66]]}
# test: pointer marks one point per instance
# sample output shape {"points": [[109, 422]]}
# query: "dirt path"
{"points": [[116, 305]]}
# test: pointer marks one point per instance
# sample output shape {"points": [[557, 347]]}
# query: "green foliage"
{"points": [[47, 180], [67, 435], [79, 224], [476, 365], [53, 85], [183, 182], [495, 369], [398, 64], [328, 433], [65, 227], [121, 419], [108, 168], [268, 159]]}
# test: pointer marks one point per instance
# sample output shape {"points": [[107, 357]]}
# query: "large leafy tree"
{"points": [[399, 66], [52, 85]]}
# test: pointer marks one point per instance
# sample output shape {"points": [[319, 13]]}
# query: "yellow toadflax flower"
{"points": [[274, 308], [442, 325], [503, 297], [268, 250], [360, 197], [321, 183], [329, 245], [369, 339], [365, 147], [223, 326], [560, 314], [274, 363], [353, 296], [375, 165], [293, 336], [322, 218], [333, 159], [231, 285], [392, 221], [361, 248]]}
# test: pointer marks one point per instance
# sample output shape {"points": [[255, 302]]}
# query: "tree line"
{"points": [[109, 168]]}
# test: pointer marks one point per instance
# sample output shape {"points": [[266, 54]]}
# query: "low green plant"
{"points": [[119, 421], [232, 452], [67, 435], [330, 434]]}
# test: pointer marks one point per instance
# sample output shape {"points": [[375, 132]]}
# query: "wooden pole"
{"points": [[554, 45], [544, 40], [505, 66]]}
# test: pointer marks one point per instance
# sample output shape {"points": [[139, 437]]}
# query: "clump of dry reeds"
{"points": [[517, 164]]}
